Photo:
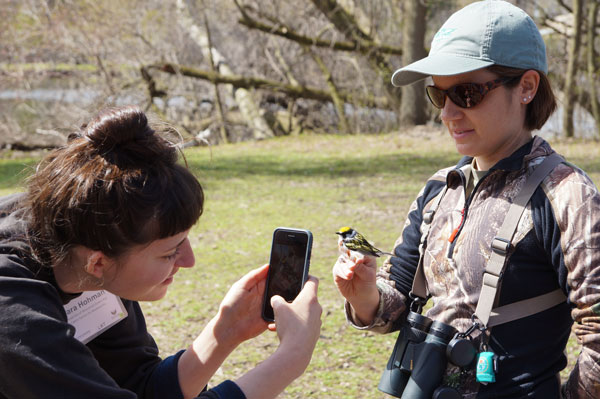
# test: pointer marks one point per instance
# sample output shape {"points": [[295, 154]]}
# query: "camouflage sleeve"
{"points": [[584, 380], [391, 305], [576, 205]]}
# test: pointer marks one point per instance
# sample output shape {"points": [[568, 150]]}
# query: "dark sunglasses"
{"points": [[465, 95]]}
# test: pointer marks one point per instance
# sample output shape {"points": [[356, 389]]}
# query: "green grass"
{"points": [[13, 173], [315, 182]]}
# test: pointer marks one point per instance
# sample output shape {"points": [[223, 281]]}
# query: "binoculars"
{"points": [[416, 367]]}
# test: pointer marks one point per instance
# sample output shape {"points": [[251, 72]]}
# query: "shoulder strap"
{"points": [[419, 286], [500, 247], [526, 307]]}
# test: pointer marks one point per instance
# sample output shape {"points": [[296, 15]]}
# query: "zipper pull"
{"points": [[455, 231]]}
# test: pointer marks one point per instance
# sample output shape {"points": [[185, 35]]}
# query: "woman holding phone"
{"points": [[111, 210], [488, 68]]}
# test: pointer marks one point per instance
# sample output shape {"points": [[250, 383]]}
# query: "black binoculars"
{"points": [[416, 367]]}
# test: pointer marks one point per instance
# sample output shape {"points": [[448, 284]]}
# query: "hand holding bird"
{"points": [[355, 273]]}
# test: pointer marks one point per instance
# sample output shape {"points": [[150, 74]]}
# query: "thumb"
{"points": [[276, 302]]}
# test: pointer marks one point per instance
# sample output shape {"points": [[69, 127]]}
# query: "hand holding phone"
{"points": [[288, 266]]}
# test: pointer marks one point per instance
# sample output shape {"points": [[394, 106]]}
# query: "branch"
{"points": [[359, 41], [293, 91], [151, 83], [282, 31], [550, 22], [565, 6], [342, 20]]}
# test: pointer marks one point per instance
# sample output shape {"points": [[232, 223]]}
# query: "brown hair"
{"points": [[114, 185], [543, 103]]}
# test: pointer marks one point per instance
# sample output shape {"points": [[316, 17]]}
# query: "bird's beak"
{"points": [[337, 232]]}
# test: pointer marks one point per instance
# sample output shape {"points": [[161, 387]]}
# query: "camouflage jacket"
{"points": [[556, 245]]}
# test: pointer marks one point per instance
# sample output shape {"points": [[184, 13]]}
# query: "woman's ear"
{"points": [[528, 86], [97, 264]]}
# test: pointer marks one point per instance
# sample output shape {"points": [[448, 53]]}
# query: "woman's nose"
{"points": [[450, 111], [186, 256]]}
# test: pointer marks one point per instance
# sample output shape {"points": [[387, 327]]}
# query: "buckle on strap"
{"points": [[500, 245], [490, 280]]}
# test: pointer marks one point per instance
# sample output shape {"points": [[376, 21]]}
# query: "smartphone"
{"points": [[288, 266]]}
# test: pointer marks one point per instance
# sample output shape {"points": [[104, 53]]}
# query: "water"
{"points": [[584, 122], [70, 96], [81, 97]]}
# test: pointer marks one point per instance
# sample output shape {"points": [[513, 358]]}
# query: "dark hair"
{"points": [[115, 184], [543, 103]]}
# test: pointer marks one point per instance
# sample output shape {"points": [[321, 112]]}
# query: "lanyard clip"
{"points": [[417, 302], [475, 326]]}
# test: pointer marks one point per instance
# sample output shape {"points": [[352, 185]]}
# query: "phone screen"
{"points": [[288, 270]]}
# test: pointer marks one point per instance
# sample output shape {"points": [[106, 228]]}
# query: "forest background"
{"points": [[288, 118], [234, 70]]}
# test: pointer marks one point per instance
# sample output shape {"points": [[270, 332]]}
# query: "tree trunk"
{"points": [[244, 98], [413, 107], [222, 129], [569, 97], [281, 63], [343, 126], [592, 64]]}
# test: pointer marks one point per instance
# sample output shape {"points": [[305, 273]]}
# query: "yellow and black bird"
{"points": [[352, 240]]}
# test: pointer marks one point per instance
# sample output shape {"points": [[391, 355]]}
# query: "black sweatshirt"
{"points": [[39, 356]]}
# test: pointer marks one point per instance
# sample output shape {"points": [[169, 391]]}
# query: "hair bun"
{"points": [[114, 128]]}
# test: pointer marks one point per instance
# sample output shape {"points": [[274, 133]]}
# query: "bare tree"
{"points": [[335, 95], [323, 65], [244, 98], [346, 24]]}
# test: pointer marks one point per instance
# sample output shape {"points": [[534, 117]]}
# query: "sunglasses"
{"points": [[465, 95]]}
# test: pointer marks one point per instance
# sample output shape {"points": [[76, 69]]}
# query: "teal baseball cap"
{"points": [[485, 33]]}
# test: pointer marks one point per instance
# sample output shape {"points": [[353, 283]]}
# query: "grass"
{"points": [[315, 182]]}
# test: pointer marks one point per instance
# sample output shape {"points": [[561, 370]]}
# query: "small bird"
{"points": [[352, 240]]}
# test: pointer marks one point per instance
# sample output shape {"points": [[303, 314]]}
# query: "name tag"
{"points": [[94, 312]]}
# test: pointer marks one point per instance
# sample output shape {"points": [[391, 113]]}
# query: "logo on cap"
{"points": [[443, 33]]}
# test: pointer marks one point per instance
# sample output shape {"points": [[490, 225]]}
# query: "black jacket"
{"points": [[39, 356]]}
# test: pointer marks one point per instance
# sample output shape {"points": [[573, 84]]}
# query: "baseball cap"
{"points": [[489, 32]]}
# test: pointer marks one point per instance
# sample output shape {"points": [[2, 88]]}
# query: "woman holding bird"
{"points": [[489, 79]]}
